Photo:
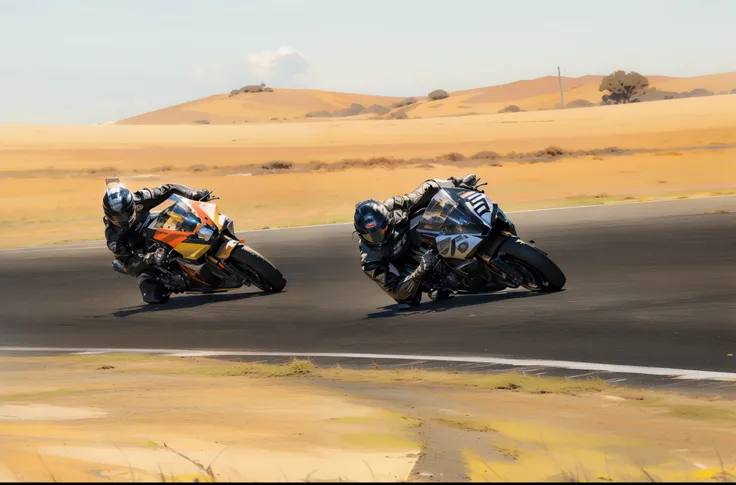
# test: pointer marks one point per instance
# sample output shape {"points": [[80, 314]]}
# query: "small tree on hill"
{"points": [[623, 87]]}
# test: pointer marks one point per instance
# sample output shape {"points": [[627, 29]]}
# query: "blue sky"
{"points": [[91, 61]]}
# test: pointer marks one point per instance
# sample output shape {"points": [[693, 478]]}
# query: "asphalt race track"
{"points": [[651, 284]]}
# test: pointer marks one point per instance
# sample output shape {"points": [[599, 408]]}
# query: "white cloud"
{"points": [[282, 67]]}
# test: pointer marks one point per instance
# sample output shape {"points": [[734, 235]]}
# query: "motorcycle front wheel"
{"points": [[544, 274], [263, 273]]}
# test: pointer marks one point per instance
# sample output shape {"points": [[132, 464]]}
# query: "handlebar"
{"points": [[210, 196]]}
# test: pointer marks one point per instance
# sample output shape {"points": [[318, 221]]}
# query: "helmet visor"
{"points": [[376, 236], [122, 219]]}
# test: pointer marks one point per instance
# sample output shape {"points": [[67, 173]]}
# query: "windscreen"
{"points": [[177, 217], [448, 215]]}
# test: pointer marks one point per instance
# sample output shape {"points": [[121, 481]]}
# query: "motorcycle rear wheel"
{"points": [[267, 277]]}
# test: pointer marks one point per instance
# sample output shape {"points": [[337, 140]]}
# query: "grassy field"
{"points": [[52, 177], [147, 418]]}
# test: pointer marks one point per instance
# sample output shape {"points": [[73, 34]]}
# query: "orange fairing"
{"points": [[174, 227], [172, 238], [193, 275], [206, 212]]}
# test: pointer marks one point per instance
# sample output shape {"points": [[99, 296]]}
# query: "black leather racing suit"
{"points": [[129, 245], [395, 267]]}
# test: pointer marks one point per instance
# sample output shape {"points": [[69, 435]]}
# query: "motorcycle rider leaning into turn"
{"points": [[126, 213], [385, 247]]}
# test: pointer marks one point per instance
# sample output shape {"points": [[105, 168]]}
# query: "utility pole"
{"points": [[562, 96]]}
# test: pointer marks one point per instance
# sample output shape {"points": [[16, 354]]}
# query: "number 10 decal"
{"points": [[479, 203]]}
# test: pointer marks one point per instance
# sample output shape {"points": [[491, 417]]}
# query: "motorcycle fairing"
{"points": [[456, 221], [460, 246], [187, 226]]}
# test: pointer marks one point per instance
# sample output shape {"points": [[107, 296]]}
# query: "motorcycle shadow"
{"points": [[428, 306], [183, 302]]}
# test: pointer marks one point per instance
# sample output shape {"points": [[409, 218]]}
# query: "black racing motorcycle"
{"points": [[479, 249]]}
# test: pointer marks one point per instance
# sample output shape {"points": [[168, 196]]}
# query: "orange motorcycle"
{"points": [[204, 254]]}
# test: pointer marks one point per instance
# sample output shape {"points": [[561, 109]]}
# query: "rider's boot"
{"points": [[411, 303], [440, 295], [152, 290]]}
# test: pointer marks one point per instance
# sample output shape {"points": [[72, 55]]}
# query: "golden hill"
{"points": [[256, 107], [293, 104], [543, 93]]}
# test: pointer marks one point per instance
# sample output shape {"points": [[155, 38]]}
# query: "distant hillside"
{"points": [[290, 105], [256, 107], [544, 93]]}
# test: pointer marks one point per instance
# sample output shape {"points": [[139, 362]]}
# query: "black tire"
{"points": [[270, 279], [553, 277]]}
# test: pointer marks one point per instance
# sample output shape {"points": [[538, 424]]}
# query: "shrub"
{"points": [[696, 93], [580, 103], [399, 115], [376, 109], [438, 94], [277, 165], [512, 108], [452, 157], [551, 152], [202, 122], [623, 87], [653, 94], [252, 88], [353, 110], [485, 155], [404, 102], [318, 114]]}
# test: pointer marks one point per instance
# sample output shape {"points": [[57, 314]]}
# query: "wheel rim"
{"points": [[252, 275], [532, 279]]}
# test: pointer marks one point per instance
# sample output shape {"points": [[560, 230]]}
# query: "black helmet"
{"points": [[118, 204], [372, 223]]}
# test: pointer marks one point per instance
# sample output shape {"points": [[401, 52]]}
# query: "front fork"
{"points": [[506, 273], [503, 271], [220, 261]]}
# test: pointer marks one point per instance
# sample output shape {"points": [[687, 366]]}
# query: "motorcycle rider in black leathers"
{"points": [[385, 248], [126, 213]]}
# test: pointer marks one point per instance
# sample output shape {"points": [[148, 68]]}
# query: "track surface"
{"points": [[650, 284]]}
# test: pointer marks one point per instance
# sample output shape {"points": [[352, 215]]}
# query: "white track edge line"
{"points": [[691, 374], [98, 244]]}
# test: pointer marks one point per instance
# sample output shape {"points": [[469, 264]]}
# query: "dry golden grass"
{"points": [[52, 177], [149, 418], [143, 149], [46, 210], [511, 381]]}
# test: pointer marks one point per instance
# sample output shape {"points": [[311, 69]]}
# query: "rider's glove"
{"points": [[467, 181], [202, 194], [427, 263], [155, 258]]}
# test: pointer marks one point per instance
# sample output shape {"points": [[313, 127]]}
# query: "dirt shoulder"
{"points": [[133, 418]]}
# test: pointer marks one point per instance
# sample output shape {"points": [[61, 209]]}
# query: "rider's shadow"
{"points": [[427, 306], [186, 302]]}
